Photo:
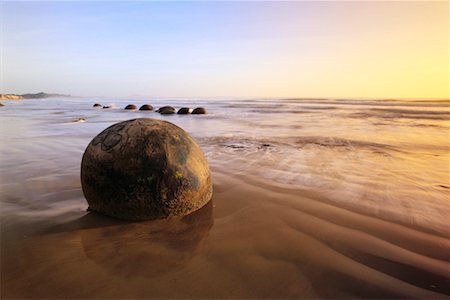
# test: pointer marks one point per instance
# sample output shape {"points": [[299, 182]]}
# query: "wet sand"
{"points": [[252, 240], [301, 214]]}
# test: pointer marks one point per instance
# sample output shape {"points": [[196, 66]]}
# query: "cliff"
{"points": [[40, 95]]}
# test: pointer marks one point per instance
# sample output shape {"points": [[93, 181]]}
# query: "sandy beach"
{"points": [[300, 209]]}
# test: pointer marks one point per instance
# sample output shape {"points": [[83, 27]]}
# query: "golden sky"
{"points": [[354, 49]]}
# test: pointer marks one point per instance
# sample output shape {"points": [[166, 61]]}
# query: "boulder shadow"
{"points": [[145, 249]]}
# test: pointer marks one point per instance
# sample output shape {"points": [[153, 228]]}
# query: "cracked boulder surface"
{"points": [[145, 169]]}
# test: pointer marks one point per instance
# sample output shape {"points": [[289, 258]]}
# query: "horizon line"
{"points": [[447, 98]]}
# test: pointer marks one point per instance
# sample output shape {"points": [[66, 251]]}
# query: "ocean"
{"points": [[312, 199]]}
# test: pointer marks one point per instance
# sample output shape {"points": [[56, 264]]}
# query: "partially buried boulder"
{"points": [[184, 111], [166, 110], [145, 169], [199, 111], [97, 105], [130, 107], [146, 107]]}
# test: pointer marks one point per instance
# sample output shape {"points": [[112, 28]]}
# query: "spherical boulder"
{"points": [[165, 107], [97, 105], [144, 169], [130, 107], [146, 107], [184, 111], [199, 111], [166, 110]]}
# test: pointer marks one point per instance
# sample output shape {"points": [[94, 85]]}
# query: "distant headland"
{"points": [[40, 95]]}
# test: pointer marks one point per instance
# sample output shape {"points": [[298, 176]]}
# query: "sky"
{"points": [[315, 49]]}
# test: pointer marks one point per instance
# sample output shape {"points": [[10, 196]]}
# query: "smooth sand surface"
{"points": [[252, 240]]}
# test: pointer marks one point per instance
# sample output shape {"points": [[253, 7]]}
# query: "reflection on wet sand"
{"points": [[76, 258], [148, 248], [266, 242]]}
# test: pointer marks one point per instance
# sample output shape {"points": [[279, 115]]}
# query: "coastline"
{"points": [[40, 95]]}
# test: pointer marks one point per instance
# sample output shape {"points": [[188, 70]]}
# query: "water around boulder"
{"points": [[145, 169]]}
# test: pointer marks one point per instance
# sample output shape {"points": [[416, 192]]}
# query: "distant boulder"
{"points": [[166, 110], [184, 111], [146, 107], [130, 107], [107, 106], [97, 105], [199, 111], [1, 104]]}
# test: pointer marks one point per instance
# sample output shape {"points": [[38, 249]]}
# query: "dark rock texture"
{"points": [[146, 107], [131, 107], [199, 111], [97, 105], [184, 111], [167, 112], [145, 169]]}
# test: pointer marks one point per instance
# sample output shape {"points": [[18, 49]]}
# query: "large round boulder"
{"points": [[130, 107], [97, 105], [145, 169]]}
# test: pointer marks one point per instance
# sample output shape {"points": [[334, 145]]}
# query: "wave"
{"points": [[333, 142], [410, 111], [280, 111], [392, 114], [236, 142], [387, 103]]}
